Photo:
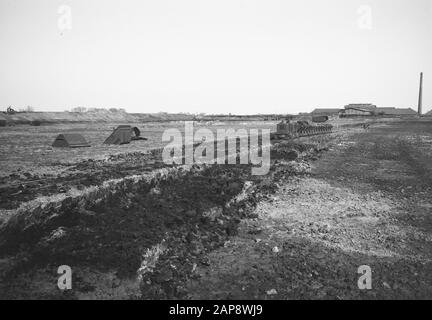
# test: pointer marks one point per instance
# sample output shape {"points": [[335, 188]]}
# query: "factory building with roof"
{"points": [[363, 109]]}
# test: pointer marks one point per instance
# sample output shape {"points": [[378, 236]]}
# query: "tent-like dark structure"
{"points": [[70, 140], [120, 135], [123, 135]]}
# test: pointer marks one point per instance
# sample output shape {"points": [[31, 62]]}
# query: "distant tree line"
{"points": [[83, 109]]}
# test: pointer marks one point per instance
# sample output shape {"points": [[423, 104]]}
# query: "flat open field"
{"points": [[28, 148], [355, 197], [30, 167]]}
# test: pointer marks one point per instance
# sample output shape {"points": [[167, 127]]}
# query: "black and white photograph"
{"points": [[215, 155]]}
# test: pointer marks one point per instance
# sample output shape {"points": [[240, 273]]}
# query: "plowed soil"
{"points": [[358, 197], [368, 201]]}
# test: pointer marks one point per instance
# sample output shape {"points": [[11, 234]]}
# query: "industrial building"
{"points": [[326, 112], [355, 110]]}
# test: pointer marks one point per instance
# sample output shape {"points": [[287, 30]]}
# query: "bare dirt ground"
{"points": [[30, 167], [352, 198], [137, 237], [368, 201]]}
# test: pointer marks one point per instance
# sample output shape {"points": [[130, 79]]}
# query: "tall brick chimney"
{"points": [[420, 94]]}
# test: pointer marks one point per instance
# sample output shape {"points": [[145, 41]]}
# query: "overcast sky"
{"points": [[214, 56]]}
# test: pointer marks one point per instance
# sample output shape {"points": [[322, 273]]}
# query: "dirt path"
{"points": [[368, 201]]}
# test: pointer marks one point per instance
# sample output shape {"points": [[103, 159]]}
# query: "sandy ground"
{"points": [[368, 201]]}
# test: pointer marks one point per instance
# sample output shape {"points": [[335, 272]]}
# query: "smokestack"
{"points": [[420, 94]]}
